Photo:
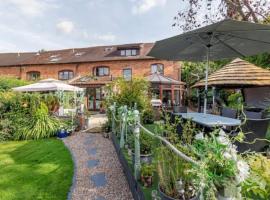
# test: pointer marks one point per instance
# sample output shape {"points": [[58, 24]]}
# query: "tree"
{"points": [[215, 10]]}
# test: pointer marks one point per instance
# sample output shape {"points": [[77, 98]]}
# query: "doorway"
{"points": [[94, 98]]}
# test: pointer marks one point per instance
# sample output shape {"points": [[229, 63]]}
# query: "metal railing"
{"points": [[124, 123]]}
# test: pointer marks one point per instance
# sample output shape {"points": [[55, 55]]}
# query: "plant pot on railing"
{"points": [[164, 196]]}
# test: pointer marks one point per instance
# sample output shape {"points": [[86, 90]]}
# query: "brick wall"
{"points": [[139, 68]]}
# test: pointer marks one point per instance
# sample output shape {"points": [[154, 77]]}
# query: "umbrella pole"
{"points": [[206, 81]]}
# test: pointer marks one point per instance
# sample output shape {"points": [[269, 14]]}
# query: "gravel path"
{"points": [[98, 173]]}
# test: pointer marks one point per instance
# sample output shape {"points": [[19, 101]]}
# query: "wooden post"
{"points": [[113, 114], [160, 92], [137, 165], [172, 91], [123, 128]]}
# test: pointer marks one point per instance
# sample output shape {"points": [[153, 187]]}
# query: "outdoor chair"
{"points": [[180, 109], [228, 112], [254, 128], [253, 115]]}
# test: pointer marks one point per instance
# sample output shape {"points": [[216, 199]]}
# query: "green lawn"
{"points": [[40, 169]]}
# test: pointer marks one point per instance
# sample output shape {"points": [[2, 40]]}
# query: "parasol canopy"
{"points": [[224, 39]]}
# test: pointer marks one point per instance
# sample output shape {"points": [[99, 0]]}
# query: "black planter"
{"points": [[163, 196], [134, 186]]}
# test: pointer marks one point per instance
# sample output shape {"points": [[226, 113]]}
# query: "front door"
{"points": [[94, 98]]}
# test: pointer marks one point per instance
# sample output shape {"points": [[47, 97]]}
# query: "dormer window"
{"points": [[101, 71], [129, 52]]}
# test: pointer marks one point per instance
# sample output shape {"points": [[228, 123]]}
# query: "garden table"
{"points": [[209, 120]]}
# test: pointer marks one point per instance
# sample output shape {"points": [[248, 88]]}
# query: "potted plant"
{"points": [[146, 147], [175, 179], [147, 173], [62, 133]]}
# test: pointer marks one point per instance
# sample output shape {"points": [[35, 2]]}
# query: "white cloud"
{"points": [[65, 26], [109, 37], [143, 6], [30, 7]]}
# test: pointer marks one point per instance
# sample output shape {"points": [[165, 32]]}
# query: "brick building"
{"points": [[93, 67]]}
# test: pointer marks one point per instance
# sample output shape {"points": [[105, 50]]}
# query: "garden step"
{"points": [[100, 198], [99, 179], [92, 151], [92, 163]]}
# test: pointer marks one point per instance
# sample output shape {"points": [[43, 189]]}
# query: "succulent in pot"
{"points": [[147, 173]]}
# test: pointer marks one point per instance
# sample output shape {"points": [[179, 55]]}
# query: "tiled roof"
{"points": [[158, 78], [77, 55]]}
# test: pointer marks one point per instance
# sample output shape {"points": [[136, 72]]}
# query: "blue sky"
{"points": [[31, 25]]}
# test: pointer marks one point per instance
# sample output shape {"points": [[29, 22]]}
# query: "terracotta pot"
{"points": [[147, 181]]}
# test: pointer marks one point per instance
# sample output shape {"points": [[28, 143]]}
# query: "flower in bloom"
{"points": [[199, 136], [223, 138], [243, 169]]}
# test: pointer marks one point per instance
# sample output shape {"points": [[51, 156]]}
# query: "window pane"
{"points": [[33, 76], [122, 52], [65, 75], [157, 68], [102, 71], [106, 71], [154, 68], [128, 52], [127, 74], [134, 52]]}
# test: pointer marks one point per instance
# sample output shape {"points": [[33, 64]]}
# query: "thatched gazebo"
{"points": [[240, 74]]}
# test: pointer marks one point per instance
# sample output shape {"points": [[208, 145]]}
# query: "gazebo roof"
{"points": [[238, 73], [158, 78], [47, 85]]}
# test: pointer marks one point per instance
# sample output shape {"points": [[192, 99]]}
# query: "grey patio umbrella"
{"points": [[221, 40]]}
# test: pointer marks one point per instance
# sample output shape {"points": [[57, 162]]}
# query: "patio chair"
{"points": [[254, 128], [228, 112], [253, 115], [180, 109]]}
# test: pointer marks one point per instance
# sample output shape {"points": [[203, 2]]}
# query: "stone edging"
{"points": [[69, 196]]}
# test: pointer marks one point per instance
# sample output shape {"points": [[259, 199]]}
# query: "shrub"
{"points": [[128, 93], [257, 186], [148, 116], [7, 83], [40, 125], [26, 116]]}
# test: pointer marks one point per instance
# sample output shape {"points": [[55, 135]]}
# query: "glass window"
{"points": [[157, 68], [101, 71], [134, 52], [129, 52], [127, 74], [123, 53], [33, 76], [65, 75]]}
